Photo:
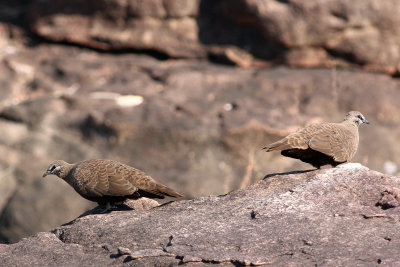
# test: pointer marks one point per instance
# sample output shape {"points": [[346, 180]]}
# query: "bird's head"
{"points": [[57, 167], [356, 117]]}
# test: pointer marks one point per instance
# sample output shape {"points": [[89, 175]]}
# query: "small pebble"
{"points": [[124, 251]]}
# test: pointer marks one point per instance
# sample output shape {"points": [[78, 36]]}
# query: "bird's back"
{"points": [[298, 139]]}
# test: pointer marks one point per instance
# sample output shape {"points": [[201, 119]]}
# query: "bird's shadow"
{"points": [[286, 173], [101, 210]]}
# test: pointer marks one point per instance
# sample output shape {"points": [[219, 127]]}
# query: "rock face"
{"points": [[296, 31], [332, 217], [168, 27], [313, 31], [196, 126]]}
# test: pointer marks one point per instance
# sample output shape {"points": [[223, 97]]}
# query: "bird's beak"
{"points": [[46, 173], [365, 121]]}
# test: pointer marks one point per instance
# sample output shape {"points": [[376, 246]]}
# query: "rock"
{"points": [[66, 254], [143, 203], [306, 33], [8, 185], [315, 32], [324, 217], [202, 125], [195, 120], [124, 251], [390, 198], [168, 27]]}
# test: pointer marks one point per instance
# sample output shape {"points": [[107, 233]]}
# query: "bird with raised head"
{"points": [[323, 143], [108, 182]]}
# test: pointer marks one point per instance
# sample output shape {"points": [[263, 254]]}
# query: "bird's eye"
{"points": [[359, 116], [53, 167]]}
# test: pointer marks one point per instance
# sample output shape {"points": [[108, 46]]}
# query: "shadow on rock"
{"points": [[140, 204], [102, 210], [286, 173]]}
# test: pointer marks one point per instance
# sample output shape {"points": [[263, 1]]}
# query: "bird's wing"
{"points": [[105, 180], [116, 182], [116, 179], [298, 139], [124, 180], [148, 186], [145, 183], [87, 180], [334, 141]]}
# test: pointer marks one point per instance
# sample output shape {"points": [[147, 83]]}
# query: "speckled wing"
{"points": [[148, 185], [118, 182], [103, 178], [298, 139], [137, 178], [335, 140]]}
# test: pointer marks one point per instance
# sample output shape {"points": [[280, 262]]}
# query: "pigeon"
{"points": [[323, 143], [108, 182]]}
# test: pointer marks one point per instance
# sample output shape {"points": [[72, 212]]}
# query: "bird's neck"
{"points": [[350, 123], [65, 170]]}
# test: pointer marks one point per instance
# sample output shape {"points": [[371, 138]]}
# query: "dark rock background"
{"points": [[188, 91]]}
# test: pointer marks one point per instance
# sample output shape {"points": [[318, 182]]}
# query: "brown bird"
{"points": [[106, 181], [323, 143]]}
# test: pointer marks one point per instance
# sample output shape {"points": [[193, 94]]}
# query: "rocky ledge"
{"points": [[343, 216]]}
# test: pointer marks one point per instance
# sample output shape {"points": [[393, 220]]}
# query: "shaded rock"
{"points": [[307, 33], [143, 203], [168, 27], [325, 217], [313, 32], [8, 185]]}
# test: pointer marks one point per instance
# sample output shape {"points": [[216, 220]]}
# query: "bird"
{"points": [[108, 182], [322, 144]]}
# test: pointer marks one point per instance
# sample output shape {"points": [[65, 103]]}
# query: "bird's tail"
{"points": [[157, 190], [278, 145], [167, 191]]}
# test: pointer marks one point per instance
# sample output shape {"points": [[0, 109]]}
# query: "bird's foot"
{"points": [[107, 208]]}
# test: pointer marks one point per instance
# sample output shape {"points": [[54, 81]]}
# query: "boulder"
{"points": [[331, 217]]}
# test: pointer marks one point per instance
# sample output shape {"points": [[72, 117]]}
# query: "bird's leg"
{"points": [[108, 207]]}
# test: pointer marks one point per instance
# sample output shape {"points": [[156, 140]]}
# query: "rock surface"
{"points": [[196, 127], [331, 217], [168, 27], [192, 125], [308, 33]]}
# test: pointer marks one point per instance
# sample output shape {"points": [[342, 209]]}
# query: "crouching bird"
{"points": [[323, 143], [108, 182]]}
